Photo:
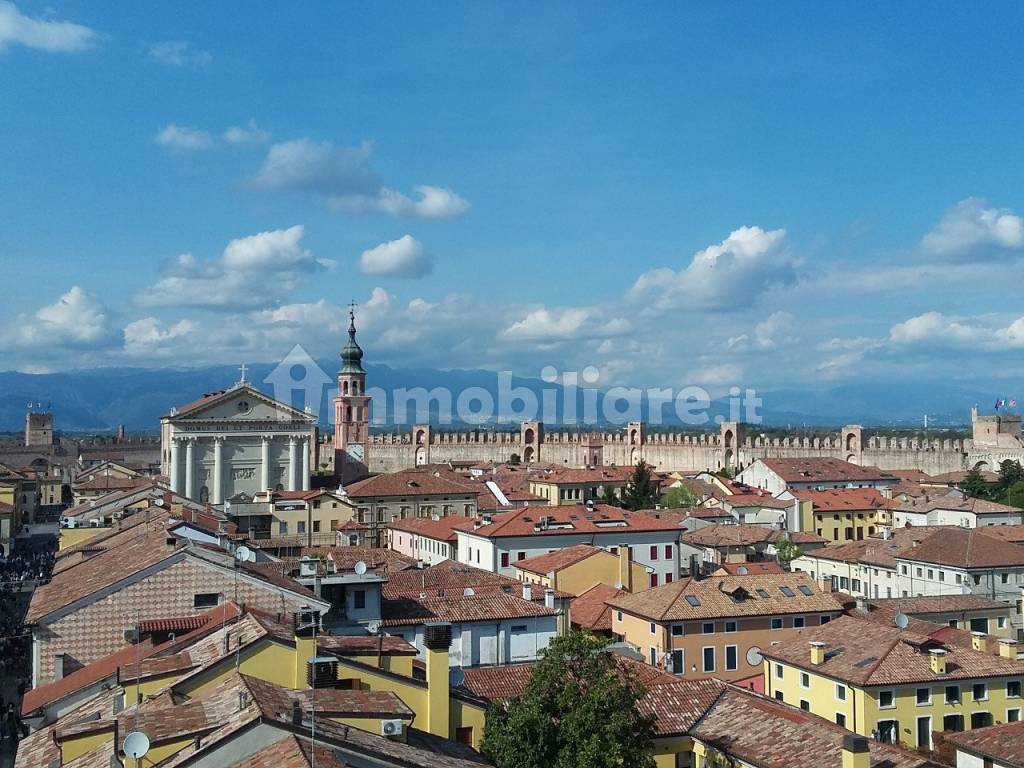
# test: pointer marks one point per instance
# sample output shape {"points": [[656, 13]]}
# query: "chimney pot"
{"points": [[527, 592], [1008, 648], [979, 641], [817, 652]]}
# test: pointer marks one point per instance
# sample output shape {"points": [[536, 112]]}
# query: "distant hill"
{"points": [[100, 399]]}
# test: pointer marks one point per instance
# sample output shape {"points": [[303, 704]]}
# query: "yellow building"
{"points": [[721, 625], [895, 684], [843, 514], [566, 485], [578, 568]]}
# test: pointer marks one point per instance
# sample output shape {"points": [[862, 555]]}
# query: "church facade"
{"points": [[234, 443]]}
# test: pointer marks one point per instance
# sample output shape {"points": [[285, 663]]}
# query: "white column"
{"points": [[305, 464], [293, 460], [175, 466], [190, 489], [218, 470], [265, 464]]}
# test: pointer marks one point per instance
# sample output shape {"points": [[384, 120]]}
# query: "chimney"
{"points": [[438, 639], [171, 543], [296, 713], [625, 567], [979, 642], [527, 592], [862, 605], [305, 622], [855, 752], [58, 666], [825, 585], [817, 653], [1008, 648], [549, 599], [937, 657]]}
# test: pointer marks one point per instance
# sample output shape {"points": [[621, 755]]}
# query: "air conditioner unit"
{"points": [[391, 727]]}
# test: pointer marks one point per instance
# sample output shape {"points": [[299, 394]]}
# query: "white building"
{"points": [[954, 508], [813, 473], [429, 539], [523, 533], [235, 443]]}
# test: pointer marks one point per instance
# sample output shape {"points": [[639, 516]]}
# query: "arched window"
{"points": [[204, 495], [344, 387]]}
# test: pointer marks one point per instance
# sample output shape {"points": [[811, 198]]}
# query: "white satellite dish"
{"points": [[373, 627], [136, 744], [742, 571], [159, 502], [244, 555], [902, 620], [456, 677], [360, 568], [468, 592], [754, 656]]}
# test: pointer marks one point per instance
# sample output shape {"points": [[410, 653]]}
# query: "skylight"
{"points": [[693, 600], [787, 591], [762, 592], [805, 590]]}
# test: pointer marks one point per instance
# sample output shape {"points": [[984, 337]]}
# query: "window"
{"points": [[668, 551], [959, 579], [931, 573], [924, 732], [654, 628], [886, 699], [678, 663], [924, 696], [504, 559], [359, 599], [707, 628], [1001, 622], [979, 692], [903, 570], [979, 625], [520, 556], [980, 719], [282, 528], [205, 600], [779, 696], [654, 552], [300, 527], [840, 719], [798, 622], [618, 615], [677, 630], [668, 578], [825, 619], [654, 579], [942, 575], [464, 735], [888, 731], [952, 694], [519, 627], [953, 723], [730, 626], [840, 692], [805, 680], [778, 671], [731, 658], [787, 591], [709, 658], [805, 705], [1013, 689], [1013, 715], [654, 656], [776, 623], [1005, 577]]}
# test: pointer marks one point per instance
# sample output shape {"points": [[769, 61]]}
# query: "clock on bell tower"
{"points": [[351, 411]]}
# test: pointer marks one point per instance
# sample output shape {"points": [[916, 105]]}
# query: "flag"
{"points": [[1013, 404], [29, 406], [999, 404]]}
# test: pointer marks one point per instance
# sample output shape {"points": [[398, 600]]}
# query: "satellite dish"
{"points": [[159, 502], [456, 677], [468, 592], [136, 744], [244, 555], [373, 627], [902, 620], [754, 656], [360, 568], [742, 570]]}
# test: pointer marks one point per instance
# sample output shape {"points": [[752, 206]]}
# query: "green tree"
{"points": [[787, 551], [678, 498], [608, 496], [514, 459], [1015, 494], [1010, 473], [642, 489], [578, 710], [975, 485]]}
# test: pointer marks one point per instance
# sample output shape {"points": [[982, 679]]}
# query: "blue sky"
{"points": [[718, 194]]}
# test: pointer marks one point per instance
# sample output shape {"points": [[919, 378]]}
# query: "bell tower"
{"points": [[351, 411]]}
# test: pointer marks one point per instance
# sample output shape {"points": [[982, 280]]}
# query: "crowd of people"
{"points": [[29, 565]]}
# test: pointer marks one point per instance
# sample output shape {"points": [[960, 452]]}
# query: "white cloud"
{"points": [[345, 178], [253, 272], [178, 53], [934, 326], [404, 257], [717, 375], [76, 320], [730, 274], [566, 324], [769, 334], [181, 138], [149, 337], [971, 226], [246, 134], [43, 34]]}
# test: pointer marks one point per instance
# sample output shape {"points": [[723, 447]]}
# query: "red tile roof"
{"points": [[409, 483], [679, 704], [591, 611], [845, 499], [733, 569], [574, 518], [966, 548], [581, 476], [452, 578], [441, 529], [460, 608], [559, 559], [823, 469], [741, 535], [1002, 744]]}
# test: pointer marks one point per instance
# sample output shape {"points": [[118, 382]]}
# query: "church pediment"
{"points": [[242, 403]]}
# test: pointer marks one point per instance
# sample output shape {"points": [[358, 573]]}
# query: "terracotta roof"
{"points": [[559, 559], [361, 645], [751, 569], [956, 501], [942, 633], [591, 611], [866, 653], [741, 535], [726, 596], [450, 577], [951, 478], [680, 704], [1002, 744], [292, 752], [910, 475], [459, 608], [845, 499], [409, 483], [765, 500], [823, 470], [965, 548], [939, 603], [580, 476], [763, 732], [876, 550], [110, 483], [441, 529], [574, 518], [1012, 533]]}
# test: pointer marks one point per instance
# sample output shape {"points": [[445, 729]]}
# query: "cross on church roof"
{"points": [[242, 369]]}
